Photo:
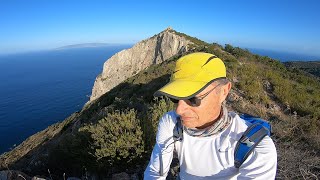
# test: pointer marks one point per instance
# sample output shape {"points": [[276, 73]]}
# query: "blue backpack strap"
{"points": [[250, 138], [253, 120]]}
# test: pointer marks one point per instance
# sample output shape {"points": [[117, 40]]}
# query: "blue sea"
{"points": [[285, 56], [39, 89]]}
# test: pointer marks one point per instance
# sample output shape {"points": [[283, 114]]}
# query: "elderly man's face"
{"points": [[204, 115]]}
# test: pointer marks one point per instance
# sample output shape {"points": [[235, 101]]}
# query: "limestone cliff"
{"points": [[129, 62]]}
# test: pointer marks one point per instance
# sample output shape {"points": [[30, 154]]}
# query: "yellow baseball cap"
{"points": [[193, 73]]}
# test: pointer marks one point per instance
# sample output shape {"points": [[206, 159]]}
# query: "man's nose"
{"points": [[181, 107]]}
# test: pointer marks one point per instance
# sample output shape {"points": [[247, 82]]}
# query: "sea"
{"points": [[38, 89], [285, 56]]}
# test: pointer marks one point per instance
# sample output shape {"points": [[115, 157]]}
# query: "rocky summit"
{"points": [[131, 61]]}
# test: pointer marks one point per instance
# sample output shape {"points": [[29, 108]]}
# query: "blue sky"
{"points": [[282, 25]]}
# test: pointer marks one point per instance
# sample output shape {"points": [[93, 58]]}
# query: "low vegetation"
{"points": [[117, 138], [312, 67]]}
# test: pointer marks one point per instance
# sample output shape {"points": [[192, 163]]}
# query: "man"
{"points": [[210, 133]]}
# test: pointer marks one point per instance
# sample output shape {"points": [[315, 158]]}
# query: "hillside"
{"points": [[312, 67], [93, 143]]}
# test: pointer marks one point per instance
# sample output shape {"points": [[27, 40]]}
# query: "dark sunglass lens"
{"points": [[194, 101]]}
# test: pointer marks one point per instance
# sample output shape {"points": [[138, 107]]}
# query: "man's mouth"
{"points": [[186, 118]]}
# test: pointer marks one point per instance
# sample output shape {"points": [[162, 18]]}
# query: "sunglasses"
{"points": [[194, 101]]}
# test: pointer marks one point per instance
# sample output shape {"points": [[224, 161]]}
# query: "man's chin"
{"points": [[188, 124]]}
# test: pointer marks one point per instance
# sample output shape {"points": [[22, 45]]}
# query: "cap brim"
{"points": [[181, 89]]}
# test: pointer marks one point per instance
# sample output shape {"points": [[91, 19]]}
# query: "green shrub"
{"points": [[251, 83], [117, 138], [151, 120]]}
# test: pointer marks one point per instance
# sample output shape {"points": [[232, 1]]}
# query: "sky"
{"points": [[282, 25]]}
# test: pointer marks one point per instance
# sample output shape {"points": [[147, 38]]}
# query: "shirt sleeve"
{"points": [[162, 153], [261, 163]]}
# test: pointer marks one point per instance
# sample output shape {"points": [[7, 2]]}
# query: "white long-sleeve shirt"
{"points": [[210, 157]]}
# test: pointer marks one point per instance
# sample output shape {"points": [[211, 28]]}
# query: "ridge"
{"points": [[142, 55]]}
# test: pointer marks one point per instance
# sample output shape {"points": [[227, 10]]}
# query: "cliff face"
{"points": [[129, 62]]}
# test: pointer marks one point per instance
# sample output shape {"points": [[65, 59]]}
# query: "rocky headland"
{"points": [[129, 62]]}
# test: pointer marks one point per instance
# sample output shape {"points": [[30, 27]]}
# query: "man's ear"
{"points": [[225, 89]]}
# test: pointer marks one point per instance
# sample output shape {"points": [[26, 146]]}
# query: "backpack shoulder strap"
{"points": [[177, 136], [178, 131], [249, 140]]}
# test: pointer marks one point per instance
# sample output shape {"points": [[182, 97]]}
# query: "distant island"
{"points": [[86, 45]]}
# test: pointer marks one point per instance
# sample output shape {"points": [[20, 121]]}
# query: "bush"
{"points": [[151, 120], [229, 48], [251, 83], [117, 138]]}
